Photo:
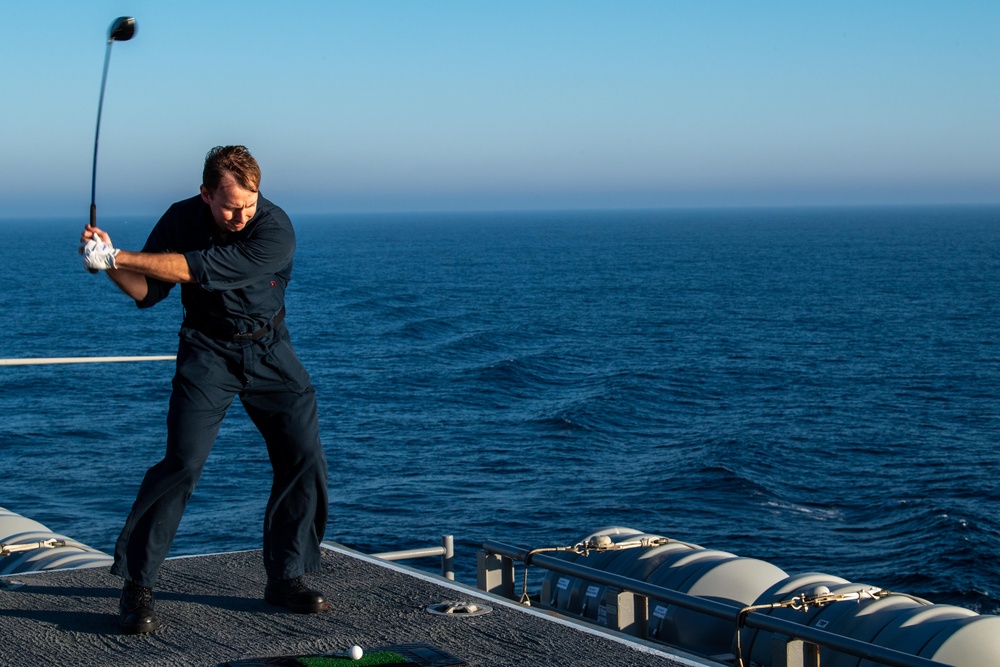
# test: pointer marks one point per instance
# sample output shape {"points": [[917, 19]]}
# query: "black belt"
{"points": [[226, 333]]}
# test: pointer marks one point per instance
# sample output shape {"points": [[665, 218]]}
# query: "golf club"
{"points": [[121, 30]]}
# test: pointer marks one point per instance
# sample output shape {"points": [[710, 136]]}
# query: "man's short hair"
{"points": [[233, 159]]}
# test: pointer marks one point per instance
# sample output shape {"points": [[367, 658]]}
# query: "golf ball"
{"points": [[355, 652]]}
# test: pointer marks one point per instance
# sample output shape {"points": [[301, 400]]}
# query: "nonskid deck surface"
{"points": [[213, 612]]}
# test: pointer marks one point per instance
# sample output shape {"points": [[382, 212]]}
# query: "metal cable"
{"points": [[820, 597], [599, 544], [8, 549]]}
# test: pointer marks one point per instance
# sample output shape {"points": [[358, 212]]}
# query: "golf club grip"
{"points": [[93, 223]]}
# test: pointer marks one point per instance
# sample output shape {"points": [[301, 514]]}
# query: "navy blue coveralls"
{"points": [[233, 342]]}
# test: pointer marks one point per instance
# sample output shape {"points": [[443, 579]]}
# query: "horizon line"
{"points": [[550, 209]]}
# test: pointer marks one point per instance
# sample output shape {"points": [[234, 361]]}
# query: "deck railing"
{"points": [[446, 551], [798, 645]]}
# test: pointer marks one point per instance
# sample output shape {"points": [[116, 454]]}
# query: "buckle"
{"points": [[269, 326]]}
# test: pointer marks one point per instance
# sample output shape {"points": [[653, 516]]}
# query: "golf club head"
{"points": [[122, 30]]}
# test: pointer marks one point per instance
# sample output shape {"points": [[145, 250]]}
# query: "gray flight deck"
{"points": [[213, 612]]}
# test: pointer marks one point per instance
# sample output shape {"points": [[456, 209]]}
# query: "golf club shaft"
{"points": [[97, 135], [122, 29]]}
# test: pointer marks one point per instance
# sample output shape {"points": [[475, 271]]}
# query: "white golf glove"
{"points": [[98, 255]]}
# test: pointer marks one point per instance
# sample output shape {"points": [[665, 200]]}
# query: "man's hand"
{"points": [[129, 270], [98, 255]]}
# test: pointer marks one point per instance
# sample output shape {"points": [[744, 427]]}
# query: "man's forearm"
{"points": [[132, 283], [169, 267]]}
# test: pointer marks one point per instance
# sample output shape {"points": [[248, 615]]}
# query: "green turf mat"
{"points": [[374, 658], [404, 655]]}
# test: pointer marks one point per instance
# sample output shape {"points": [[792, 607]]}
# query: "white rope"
{"points": [[80, 360]]}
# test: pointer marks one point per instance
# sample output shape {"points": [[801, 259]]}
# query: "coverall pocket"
{"points": [[285, 363], [196, 365]]}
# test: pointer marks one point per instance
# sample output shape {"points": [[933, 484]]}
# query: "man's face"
{"points": [[232, 205]]}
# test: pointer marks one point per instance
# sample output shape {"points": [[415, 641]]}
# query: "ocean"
{"points": [[818, 388]]}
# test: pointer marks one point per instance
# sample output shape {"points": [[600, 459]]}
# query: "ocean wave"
{"points": [[431, 328]]}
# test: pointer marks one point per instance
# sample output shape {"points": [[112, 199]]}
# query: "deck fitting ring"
{"points": [[456, 608]]}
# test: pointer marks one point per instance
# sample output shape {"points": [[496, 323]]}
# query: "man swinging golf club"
{"points": [[231, 251]]}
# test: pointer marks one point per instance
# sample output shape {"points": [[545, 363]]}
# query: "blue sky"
{"points": [[442, 105]]}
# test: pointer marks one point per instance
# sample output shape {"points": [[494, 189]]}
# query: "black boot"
{"points": [[135, 610], [295, 595]]}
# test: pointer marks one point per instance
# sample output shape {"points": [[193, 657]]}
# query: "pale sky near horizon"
{"points": [[447, 105]]}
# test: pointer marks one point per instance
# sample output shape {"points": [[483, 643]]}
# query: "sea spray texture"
{"points": [[817, 388]]}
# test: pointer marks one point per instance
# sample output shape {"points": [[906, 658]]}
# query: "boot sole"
{"points": [[297, 608], [139, 628]]}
